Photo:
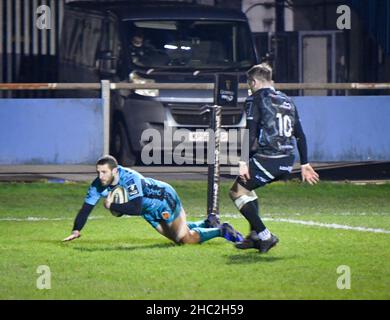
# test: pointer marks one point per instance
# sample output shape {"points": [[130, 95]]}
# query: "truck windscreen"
{"points": [[189, 44]]}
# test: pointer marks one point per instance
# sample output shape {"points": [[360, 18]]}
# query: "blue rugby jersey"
{"points": [[156, 195]]}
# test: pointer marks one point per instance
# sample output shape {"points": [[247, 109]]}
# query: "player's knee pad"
{"points": [[242, 200]]}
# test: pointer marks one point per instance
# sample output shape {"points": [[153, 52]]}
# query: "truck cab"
{"points": [[156, 43]]}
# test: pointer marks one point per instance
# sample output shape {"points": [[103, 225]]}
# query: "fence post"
{"points": [[106, 115]]}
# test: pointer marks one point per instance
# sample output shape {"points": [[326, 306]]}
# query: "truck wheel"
{"points": [[121, 148]]}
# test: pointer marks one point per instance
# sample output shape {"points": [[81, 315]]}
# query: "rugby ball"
{"points": [[119, 195]]}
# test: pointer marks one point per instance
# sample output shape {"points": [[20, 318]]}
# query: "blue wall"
{"points": [[70, 131], [351, 128], [51, 131]]}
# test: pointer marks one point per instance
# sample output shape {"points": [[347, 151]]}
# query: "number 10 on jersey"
{"points": [[285, 125]]}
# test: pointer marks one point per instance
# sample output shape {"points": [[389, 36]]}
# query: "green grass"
{"points": [[124, 258]]}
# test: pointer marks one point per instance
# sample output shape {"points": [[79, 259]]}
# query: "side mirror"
{"points": [[107, 62]]}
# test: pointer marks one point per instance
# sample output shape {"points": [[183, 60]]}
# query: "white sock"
{"points": [[265, 234]]}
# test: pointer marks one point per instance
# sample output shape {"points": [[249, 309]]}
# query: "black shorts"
{"points": [[263, 170]]}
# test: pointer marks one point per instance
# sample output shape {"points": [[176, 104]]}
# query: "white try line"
{"points": [[317, 224], [235, 216], [33, 219], [329, 225]]}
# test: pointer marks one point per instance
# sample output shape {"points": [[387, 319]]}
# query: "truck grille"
{"points": [[190, 114]]}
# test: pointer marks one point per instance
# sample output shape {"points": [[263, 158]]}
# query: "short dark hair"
{"points": [[261, 72], [137, 33], [107, 159]]}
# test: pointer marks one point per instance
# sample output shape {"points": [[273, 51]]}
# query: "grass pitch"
{"points": [[124, 258]]}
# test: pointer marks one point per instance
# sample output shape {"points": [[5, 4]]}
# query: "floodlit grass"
{"points": [[124, 258]]}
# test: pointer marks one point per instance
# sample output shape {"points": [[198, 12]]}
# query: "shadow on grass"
{"points": [[254, 257], [125, 247]]}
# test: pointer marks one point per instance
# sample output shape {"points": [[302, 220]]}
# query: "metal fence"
{"points": [[26, 50], [194, 86]]}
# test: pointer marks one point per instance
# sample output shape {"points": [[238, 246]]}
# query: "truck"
{"points": [[182, 43]]}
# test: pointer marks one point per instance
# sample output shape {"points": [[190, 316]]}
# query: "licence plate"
{"points": [[204, 136]]}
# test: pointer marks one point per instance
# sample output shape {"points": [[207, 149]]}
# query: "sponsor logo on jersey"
{"points": [[286, 105], [165, 215], [249, 109], [132, 189], [259, 177], [285, 147], [285, 168]]}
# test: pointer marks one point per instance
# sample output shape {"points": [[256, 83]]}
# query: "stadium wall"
{"points": [[70, 131], [346, 128], [51, 131]]}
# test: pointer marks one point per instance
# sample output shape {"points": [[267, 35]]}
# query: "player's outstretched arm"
{"points": [[308, 174], [80, 221]]}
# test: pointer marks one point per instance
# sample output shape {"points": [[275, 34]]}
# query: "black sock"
{"points": [[250, 212], [256, 203]]}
